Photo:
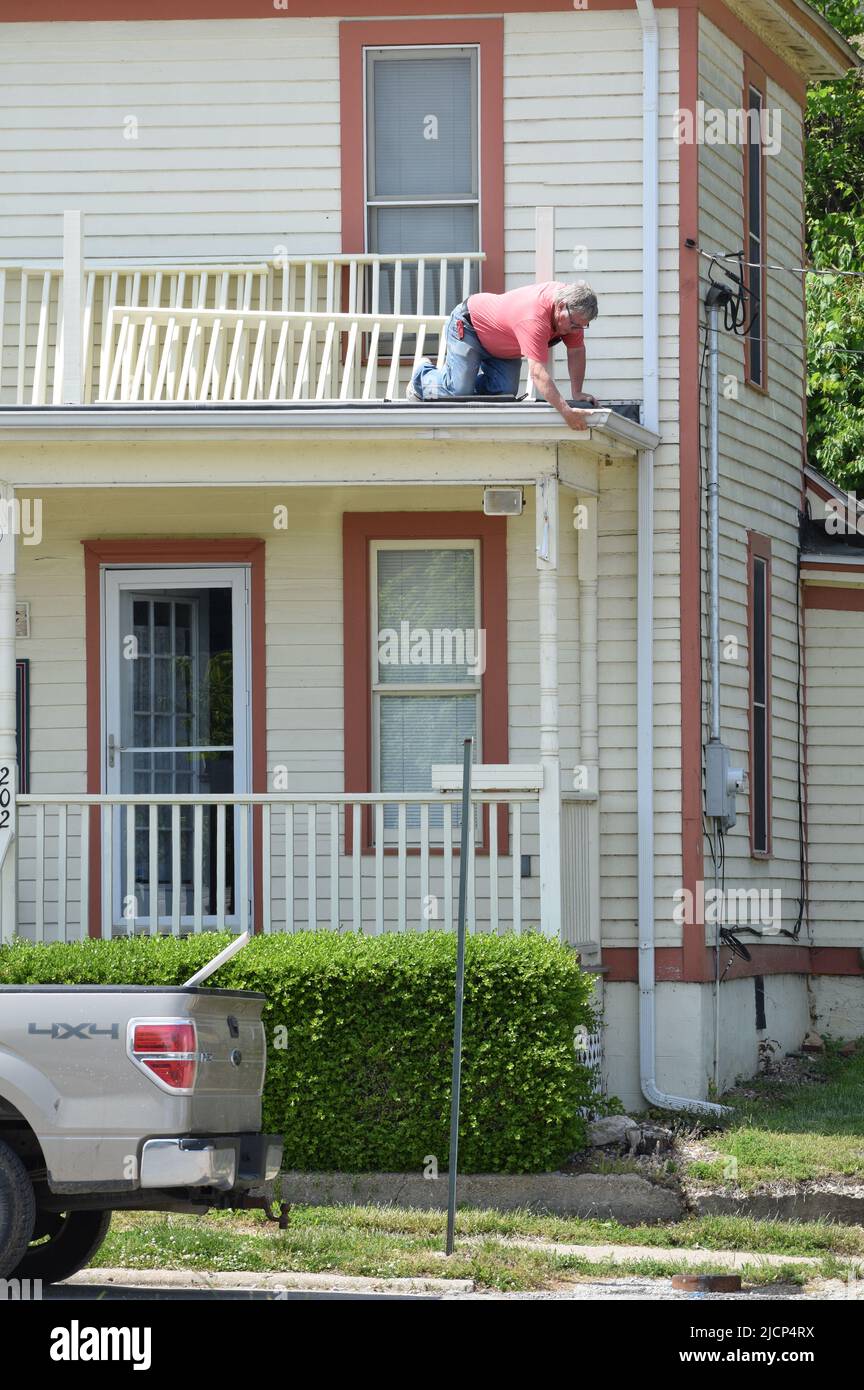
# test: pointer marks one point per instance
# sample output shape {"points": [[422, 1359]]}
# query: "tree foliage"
{"points": [[834, 174]]}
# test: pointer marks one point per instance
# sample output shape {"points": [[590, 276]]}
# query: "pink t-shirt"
{"points": [[519, 323]]}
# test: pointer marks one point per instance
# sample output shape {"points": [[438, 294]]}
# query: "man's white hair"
{"points": [[579, 299]]}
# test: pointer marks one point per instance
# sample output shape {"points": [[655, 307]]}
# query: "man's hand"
{"points": [[576, 419]]}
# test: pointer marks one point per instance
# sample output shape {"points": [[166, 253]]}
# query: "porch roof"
{"points": [[511, 422]]}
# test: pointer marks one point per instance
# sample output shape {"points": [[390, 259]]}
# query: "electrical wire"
{"points": [[785, 269], [796, 348]]}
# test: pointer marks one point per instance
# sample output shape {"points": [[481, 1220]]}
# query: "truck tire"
{"points": [[66, 1242], [17, 1210]]}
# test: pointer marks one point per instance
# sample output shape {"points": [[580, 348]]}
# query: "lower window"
{"points": [[427, 663]]}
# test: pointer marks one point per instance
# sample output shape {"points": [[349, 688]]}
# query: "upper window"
{"points": [[422, 165], [422, 154], [754, 201]]}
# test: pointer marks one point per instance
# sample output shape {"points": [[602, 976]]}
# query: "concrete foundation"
{"points": [[838, 1005], [685, 1033]]}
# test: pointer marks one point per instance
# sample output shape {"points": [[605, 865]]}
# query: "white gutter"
{"points": [[530, 423], [645, 596]]}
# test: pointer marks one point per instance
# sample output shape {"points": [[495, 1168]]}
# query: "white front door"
{"points": [[176, 721]]}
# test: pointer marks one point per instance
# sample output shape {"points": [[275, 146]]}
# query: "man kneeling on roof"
{"points": [[488, 335]]}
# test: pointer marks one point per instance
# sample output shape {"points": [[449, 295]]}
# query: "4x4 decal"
{"points": [[62, 1031]]}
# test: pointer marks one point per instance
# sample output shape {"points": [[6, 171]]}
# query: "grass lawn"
{"points": [[809, 1127], [392, 1243]]}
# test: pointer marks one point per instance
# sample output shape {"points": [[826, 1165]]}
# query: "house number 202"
{"points": [[5, 795]]}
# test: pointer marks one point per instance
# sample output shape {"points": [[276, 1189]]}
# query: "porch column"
{"points": [[587, 773], [550, 794], [8, 719]]}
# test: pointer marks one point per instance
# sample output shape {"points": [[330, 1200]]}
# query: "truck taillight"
{"points": [[169, 1051]]}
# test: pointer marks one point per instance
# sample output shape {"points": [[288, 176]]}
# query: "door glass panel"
{"points": [[176, 737]]}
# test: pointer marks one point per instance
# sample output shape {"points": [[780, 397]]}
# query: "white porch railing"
{"points": [[256, 355], [32, 305], [194, 857]]}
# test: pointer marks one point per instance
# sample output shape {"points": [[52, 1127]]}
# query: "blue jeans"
{"points": [[469, 370]]}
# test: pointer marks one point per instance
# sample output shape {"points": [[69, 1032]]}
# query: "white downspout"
{"points": [[645, 597]]}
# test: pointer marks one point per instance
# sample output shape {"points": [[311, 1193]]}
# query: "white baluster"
{"points": [[393, 377], [40, 368], [220, 866], [516, 852], [87, 349], [130, 896], [312, 862], [153, 869], [243, 813], [40, 873], [62, 870], [176, 883], [402, 864], [379, 868], [350, 358], [198, 866], [470, 905], [289, 868], [356, 868], [84, 875], [424, 865], [448, 866], [334, 868], [493, 867], [105, 816], [23, 310], [266, 873]]}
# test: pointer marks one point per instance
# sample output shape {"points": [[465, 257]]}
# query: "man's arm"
{"points": [[576, 419], [576, 360]]}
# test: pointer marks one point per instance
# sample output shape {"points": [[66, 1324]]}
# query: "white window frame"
{"points": [[381, 689]]}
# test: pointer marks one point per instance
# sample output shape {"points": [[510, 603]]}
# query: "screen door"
{"points": [[176, 723]]}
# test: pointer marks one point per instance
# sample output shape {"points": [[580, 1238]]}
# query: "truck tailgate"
{"points": [[232, 1052]]}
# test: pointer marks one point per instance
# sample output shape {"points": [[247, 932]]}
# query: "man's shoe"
{"points": [[410, 393]]}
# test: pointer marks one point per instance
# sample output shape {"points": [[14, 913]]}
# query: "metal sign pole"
{"points": [[460, 996]]}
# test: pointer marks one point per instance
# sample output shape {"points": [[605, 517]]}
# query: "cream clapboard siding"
{"points": [[835, 775], [573, 141], [760, 458], [304, 638], [237, 144]]}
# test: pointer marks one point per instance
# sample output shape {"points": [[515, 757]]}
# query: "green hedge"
{"points": [[359, 1034]]}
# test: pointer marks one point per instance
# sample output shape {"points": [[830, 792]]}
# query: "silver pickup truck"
{"points": [[124, 1097]]}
